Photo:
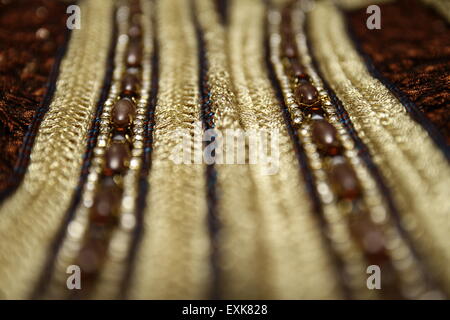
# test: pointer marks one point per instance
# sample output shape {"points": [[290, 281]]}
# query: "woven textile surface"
{"points": [[224, 149]]}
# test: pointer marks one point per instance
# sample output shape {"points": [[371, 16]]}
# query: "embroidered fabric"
{"points": [[412, 51]]}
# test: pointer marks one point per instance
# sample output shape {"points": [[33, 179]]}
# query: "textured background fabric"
{"points": [[31, 35], [411, 51], [199, 231]]}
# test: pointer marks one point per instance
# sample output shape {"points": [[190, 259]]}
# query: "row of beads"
{"points": [[115, 271], [396, 257], [341, 174], [350, 261], [78, 227], [372, 238], [103, 215]]}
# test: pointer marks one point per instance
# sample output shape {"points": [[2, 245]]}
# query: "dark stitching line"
{"points": [[222, 10], [410, 106], [303, 163], [207, 117], [364, 154], [87, 158], [146, 166]]}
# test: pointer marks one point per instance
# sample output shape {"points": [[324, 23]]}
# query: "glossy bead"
{"points": [[343, 178], [106, 202], [134, 55], [135, 8], [130, 84], [306, 93], [135, 32], [325, 137], [289, 49], [298, 71], [369, 236], [123, 113], [116, 158], [90, 258]]}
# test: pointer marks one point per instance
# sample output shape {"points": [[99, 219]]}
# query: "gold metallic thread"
{"points": [[270, 245], [237, 209], [415, 170], [75, 232], [112, 273], [293, 257], [173, 260], [31, 217], [409, 270], [337, 229]]}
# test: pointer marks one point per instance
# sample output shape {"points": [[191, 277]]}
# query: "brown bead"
{"points": [[325, 136], [106, 202], [289, 49], [298, 71], [130, 84], [369, 236], [371, 239], [343, 178], [90, 258], [116, 158], [135, 32], [123, 113], [134, 55], [306, 93], [135, 8]]}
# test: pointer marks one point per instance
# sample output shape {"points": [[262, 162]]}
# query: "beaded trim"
{"points": [[274, 67], [351, 204], [87, 160], [414, 276], [149, 125], [116, 264], [100, 234], [328, 215]]}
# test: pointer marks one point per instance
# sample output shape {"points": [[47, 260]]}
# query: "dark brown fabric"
{"points": [[31, 31], [412, 51]]}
